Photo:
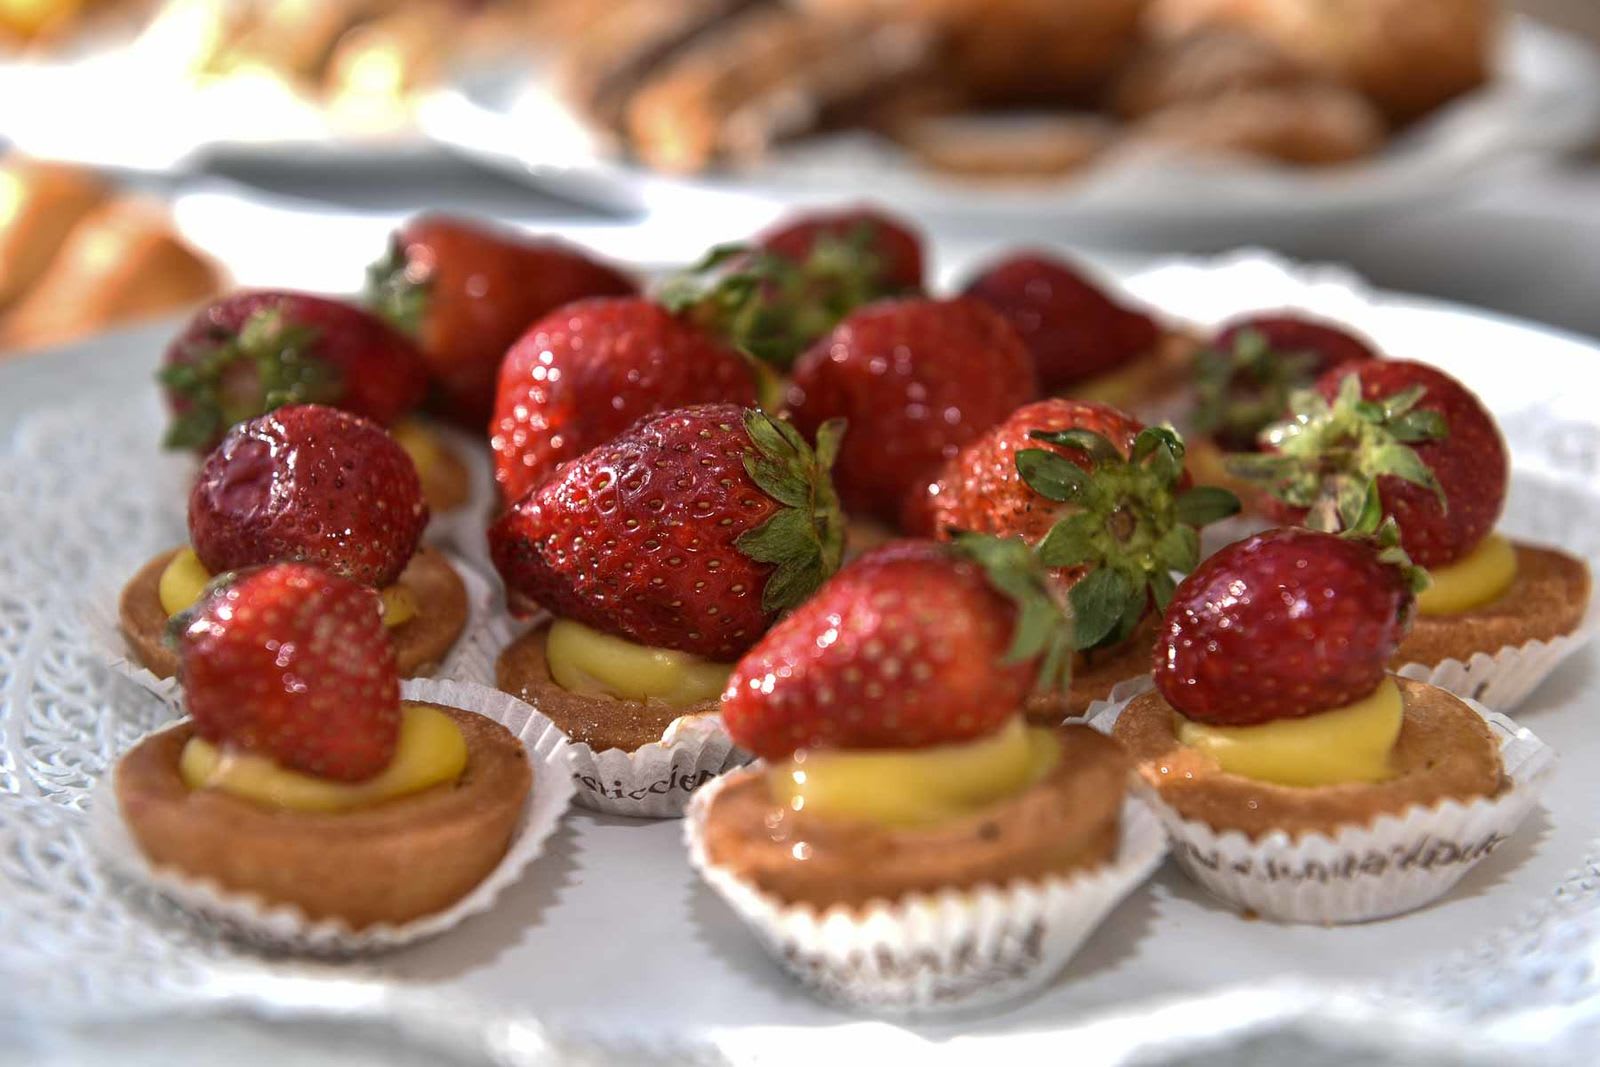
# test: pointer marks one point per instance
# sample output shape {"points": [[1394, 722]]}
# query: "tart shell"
{"points": [[600, 722], [420, 644], [1444, 752], [1094, 676], [1547, 599], [1066, 822], [388, 863]]}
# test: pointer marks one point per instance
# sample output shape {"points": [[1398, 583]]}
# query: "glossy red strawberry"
{"points": [[888, 249], [587, 372], [1244, 380], [1104, 497], [774, 299], [466, 291], [1279, 625], [292, 663], [308, 484], [257, 350], [693, 530], [916, 379], [912, 644], [1074, 329], [1412, 434]]}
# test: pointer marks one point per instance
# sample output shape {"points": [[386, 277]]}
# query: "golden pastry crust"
{"points": [[1547, 599], [388, 863], [419, 645], [1445, 751], [1408, 56], [600, 722], [40, 203], [1066, 822], [1310, 124]]}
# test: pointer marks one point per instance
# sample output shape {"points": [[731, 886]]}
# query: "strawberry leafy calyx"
{"points": [[1126, 522], [804, 539], [1380, 531], [266, 364], [772, 307], [1242, 390], [1329, 456], [1043, 628], [396, 292]]}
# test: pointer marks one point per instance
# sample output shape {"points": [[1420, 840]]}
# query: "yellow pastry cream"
{"points": [[915, 787], [1475, 579], [591, 663], [185, 578], [427, 452], [1348, 744], [430, 751]]}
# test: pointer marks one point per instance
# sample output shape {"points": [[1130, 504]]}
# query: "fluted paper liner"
{"points": [[1506, 677], [284, 927], [1397, 864], [470, 659], [948, 951], [656, 780]]}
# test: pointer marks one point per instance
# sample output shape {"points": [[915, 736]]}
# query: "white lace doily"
{"points": [[79, 509]]}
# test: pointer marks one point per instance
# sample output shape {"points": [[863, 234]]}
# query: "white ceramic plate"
{"points": [[611, 941], [1543, 101]]}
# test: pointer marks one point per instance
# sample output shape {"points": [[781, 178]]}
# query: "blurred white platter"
{"points": [[610, 943], [1544, 101]]}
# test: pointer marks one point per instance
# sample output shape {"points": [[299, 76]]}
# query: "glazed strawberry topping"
{"points": [[777, 297], [466, 291], [1405, 432], [254, 351], [916, 379], [1243, 382], [1104, 497], [308, 484], [691, 531], [1280, 625], [913, 644], [590, 370], [292, 663], [1073, 328]]}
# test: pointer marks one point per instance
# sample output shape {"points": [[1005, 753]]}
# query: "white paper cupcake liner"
{"points": [[657, 780], [284, 928], [470, 659], [1506, 677], [950, 951], [1397, 864]]}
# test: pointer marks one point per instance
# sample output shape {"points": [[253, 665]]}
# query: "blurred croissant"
{"points": [[1407, 56]]}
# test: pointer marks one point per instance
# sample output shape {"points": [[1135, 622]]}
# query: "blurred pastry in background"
{"points": [[1407, 56], [119, 264], [40, 203], [1015, 88], [1311, 125]]}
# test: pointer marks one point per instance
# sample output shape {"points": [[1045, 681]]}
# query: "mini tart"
{"points": [[420, 643], [1094, 675], [1445, 751], [1547, 599], [601, 722], [1066, 822], [389, 863]]}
